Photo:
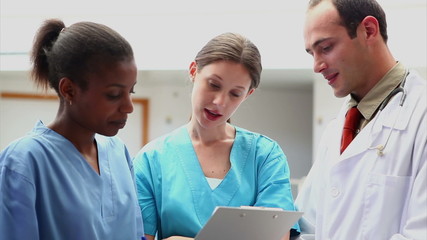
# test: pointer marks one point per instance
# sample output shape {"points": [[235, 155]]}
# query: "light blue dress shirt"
{"points": [[175, 197], [49, 191]]}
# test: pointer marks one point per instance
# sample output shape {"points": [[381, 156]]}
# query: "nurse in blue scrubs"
{"points": [[208, 162], [72, 179]]}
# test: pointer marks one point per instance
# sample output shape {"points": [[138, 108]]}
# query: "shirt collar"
{"points": [[373, 99]]}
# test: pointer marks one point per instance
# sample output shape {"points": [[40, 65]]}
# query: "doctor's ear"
{"points": [[370, 27], [67, 89], [192, 70]]}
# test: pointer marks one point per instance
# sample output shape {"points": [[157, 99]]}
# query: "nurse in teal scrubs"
{"points": [[182, 176]]}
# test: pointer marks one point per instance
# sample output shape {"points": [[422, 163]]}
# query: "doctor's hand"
{"points": [[178, 238]]}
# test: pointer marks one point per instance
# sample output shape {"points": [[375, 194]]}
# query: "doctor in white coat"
{"points": [[377, 187]]}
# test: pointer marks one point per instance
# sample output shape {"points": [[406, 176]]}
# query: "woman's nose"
{"points": [[220, 99], [127, 106]]}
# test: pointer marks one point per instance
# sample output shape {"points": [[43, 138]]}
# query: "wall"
{"points": [[285, 115], [270, 110]]}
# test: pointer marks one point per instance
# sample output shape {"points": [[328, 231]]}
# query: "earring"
{"points": [[71, 103]]}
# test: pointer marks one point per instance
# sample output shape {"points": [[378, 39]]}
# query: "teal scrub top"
{"points": [[175, 197]]}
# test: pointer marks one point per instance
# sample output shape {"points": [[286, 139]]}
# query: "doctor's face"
{"points": [[219, 88], [336, 56]]}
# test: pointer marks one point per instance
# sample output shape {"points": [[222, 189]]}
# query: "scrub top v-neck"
{"points": [[175, 196]]}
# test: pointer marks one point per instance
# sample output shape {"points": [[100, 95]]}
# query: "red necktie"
{"points": [[351, 124]]}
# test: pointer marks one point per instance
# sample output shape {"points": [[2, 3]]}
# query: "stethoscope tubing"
{"points": [[396, 91], [380, 148]]}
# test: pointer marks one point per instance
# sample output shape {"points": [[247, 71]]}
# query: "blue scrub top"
{"points": [[49, 191], [175, 197]]}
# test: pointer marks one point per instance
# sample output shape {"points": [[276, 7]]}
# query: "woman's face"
{"points": [[104, 106], [219, 88]]}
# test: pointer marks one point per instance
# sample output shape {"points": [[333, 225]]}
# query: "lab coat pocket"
{"points": [[384, 203]]}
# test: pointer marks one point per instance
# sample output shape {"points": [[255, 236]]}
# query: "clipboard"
{"points": [[243, 223]]}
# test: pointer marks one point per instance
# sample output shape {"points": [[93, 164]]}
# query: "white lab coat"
{"points": [[361, 195]]}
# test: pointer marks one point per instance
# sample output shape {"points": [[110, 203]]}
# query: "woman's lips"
{"points": [[120, 123], [212, 115]]}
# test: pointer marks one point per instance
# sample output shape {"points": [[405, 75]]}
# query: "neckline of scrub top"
{"points": [[204, 198]]}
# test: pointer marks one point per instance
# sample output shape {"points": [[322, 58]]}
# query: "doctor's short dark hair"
{"points": [[352, 12], [235, 48], [74, 52]]}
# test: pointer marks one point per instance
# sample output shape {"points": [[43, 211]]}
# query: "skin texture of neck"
{"points": [[381, 62], [84, 141], [205, 136]]}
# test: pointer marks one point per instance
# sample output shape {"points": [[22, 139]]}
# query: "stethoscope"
{"points": [[380, 148]]}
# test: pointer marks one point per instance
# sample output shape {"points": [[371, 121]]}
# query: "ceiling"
{"points": [[166, 35]]}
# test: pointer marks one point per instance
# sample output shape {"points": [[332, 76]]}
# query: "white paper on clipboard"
{"points": [[248, 223]]}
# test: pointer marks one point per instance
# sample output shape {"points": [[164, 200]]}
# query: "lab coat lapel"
{"points": [[391, 117], [367, 137], [398, 117], [360, 143], [355, 147]]}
